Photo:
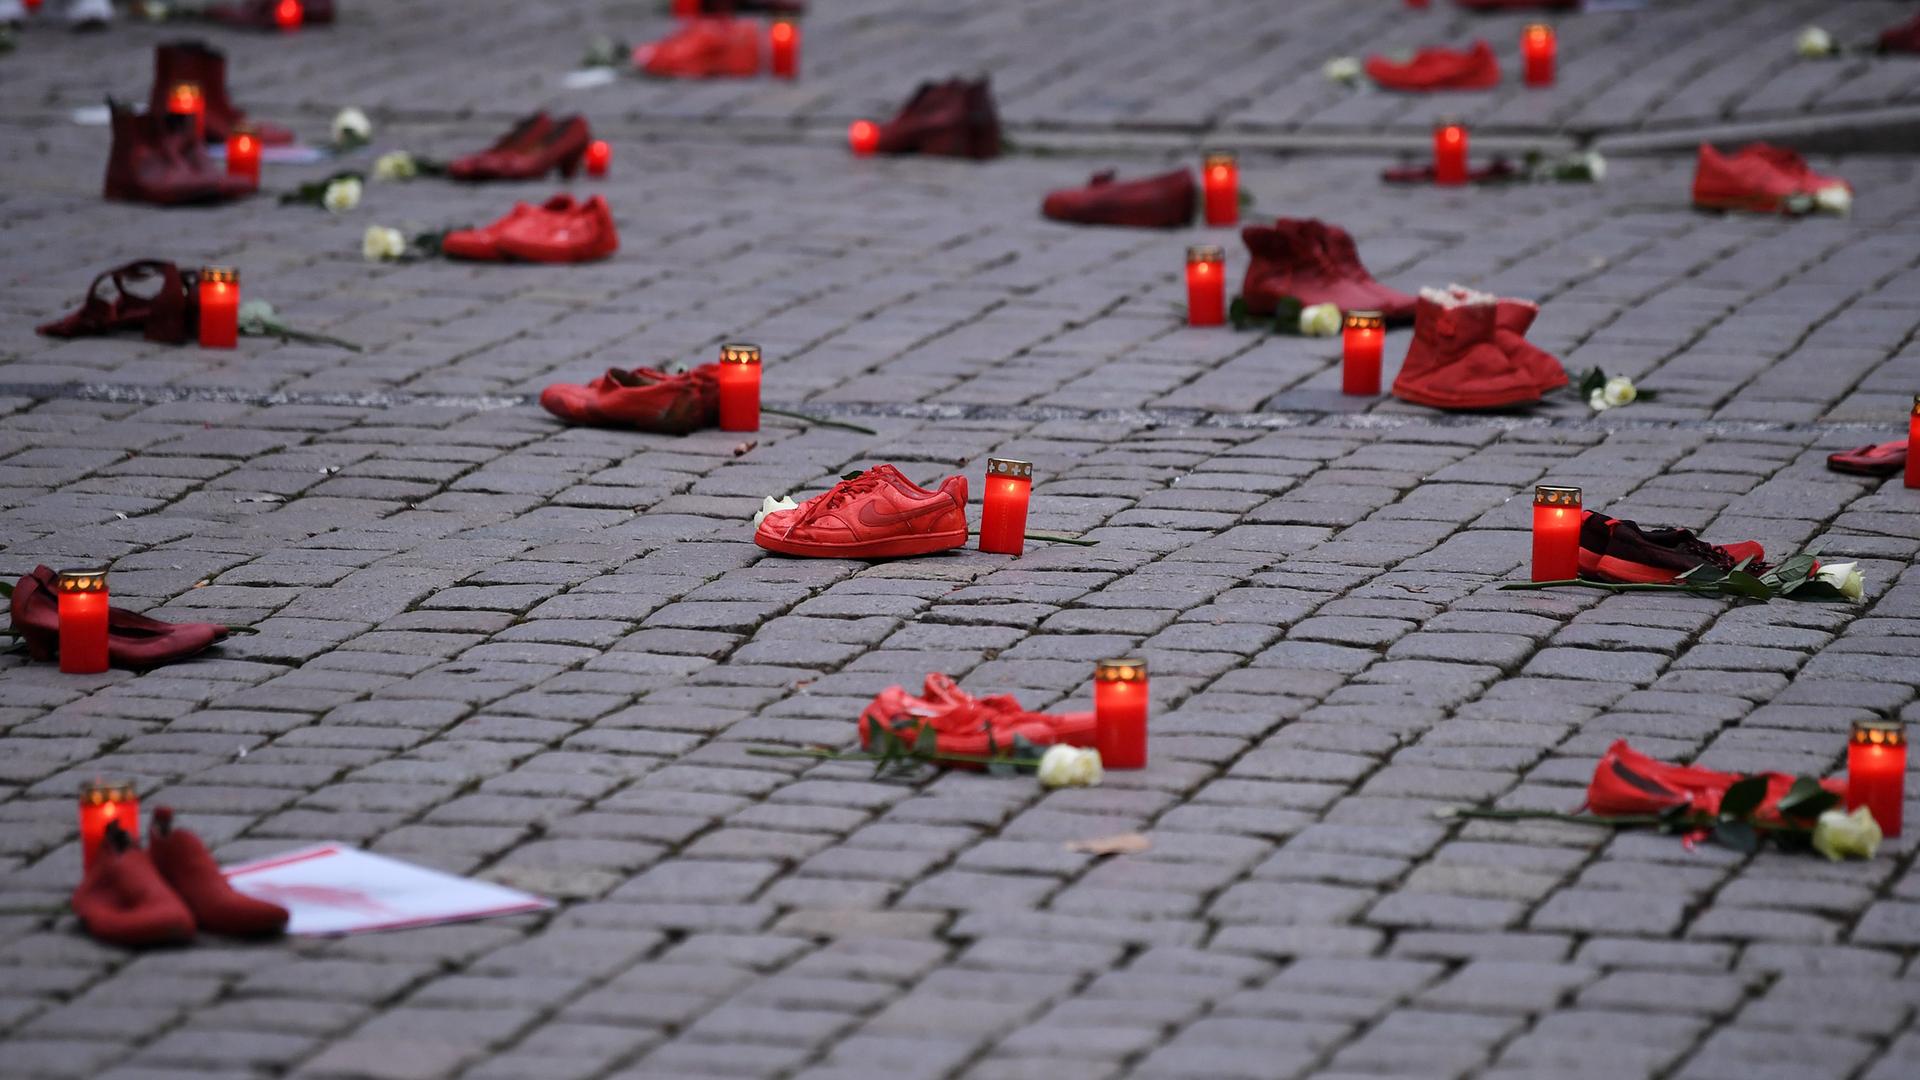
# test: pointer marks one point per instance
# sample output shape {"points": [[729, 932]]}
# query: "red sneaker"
{"points": [[704, 47], [1793, 165], [643, 399], [1746, 181], [1903, 38], [968, 726], [878, 514], [123, 900], [1623, 552], [1455, 362], [1438, 69], [189, 868], [483, 244], [1157, 202]]}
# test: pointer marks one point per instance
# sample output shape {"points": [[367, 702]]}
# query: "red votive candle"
{"points": [[599, 156], [1537, 51], [686, 8], [1003, 506], [219, 307], [864, 137], [289, 14], [1221, 176], [784, 40], [1120, 712], [243, 157], [1556, 533], [1913, 442], [1206, 285], [1877, 771], [83, 620], [32, 5], [739, 388], [1362, 340], [186, 100], [1450, 153], [104, 803]]}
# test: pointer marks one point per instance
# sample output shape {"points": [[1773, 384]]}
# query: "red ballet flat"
{"points": [[134, 641], [1885, 459]]}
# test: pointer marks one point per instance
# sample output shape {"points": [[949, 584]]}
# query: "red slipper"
{"points": [[123, 900], [186, 865], [1886, 459]]}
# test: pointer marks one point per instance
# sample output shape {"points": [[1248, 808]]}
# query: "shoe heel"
{"points": [[570, 164]]}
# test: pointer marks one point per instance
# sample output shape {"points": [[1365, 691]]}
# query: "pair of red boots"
{"points": [[133, 641], [534, 147], [967, 726], [1470, 351], [165, 893], [1167, 201], [559, 230], [704, 47], [955, 118], [1765, 179], [1438, 68], [643, 399], [1314, 263], [152, 296]]}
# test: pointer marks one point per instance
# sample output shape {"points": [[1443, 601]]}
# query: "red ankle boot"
{"points": [[1438, 69], [195, 62], [159, 160], [643, 399], [955, 118], [134, 641], [149, 295], [189, 868], [1157, 202], [1511, 318], [1302, 259], [1453, 362], [124, 901], [1395, 305]]}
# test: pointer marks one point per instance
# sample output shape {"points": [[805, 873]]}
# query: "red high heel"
{"points": [[532, 150], [525, 135], [186, 865], [134, 641], [124, 901], [166, 316]]}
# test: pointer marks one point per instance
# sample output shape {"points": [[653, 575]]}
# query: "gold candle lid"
{"points": [[739, 354], [1206, 253], [101, 792], [1219, 157], [1011, 467], [1889, 733], [225, 275], [1916, 404], [1554, 495], [1365, 320], [1126, 669], [90, 580], [184, 92], [1539, 32]]}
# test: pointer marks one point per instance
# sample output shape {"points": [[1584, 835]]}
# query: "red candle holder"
{"points": [[243, 156], [1220, 174], [104, 803], [1120, 712], [686, 9], [1877, 771], [1537, 51], [1003, 506], [83, 620], [1913, 440], [31, 5], [864, 137], [289, 14], [599, 156], [1556, 533], [739, 388], [1450, 152], [783, 40], [186, 100], [1363, 339], [1206, 285], [219, 307]]}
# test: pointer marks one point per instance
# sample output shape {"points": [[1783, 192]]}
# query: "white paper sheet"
{"points": [[336, 889]]}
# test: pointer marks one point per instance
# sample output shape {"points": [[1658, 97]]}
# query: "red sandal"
{"points": [[166, 314]]}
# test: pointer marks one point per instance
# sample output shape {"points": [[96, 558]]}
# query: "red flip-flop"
{"points": [[1885, 459]]}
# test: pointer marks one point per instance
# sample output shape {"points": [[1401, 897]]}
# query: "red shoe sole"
{"points": [[924, 544]]}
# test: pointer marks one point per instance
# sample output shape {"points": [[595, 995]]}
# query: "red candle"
{"points": [[1913, 440], [739, 388], [289, 14], [864, 137], [83, 620], [784, 37], [1877, 771], [599, 156], [686, 8], [104, 803], [1222, 181], [1450, 153], [32, 5], [243, 157], [1003, 506], [1537, 50], [1362, 341], [186, 100], [1206, 285], [219, 307], [1120, 712], [1556, 533]]}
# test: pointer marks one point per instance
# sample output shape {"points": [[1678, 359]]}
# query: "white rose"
{"points": [[1834, 199], [1597, 401], [1342, 69], [1069, 766], [398, 165], [351, 125], [1596, 166], [1844, 576], [342, 195], [771, 505], [1839, 836], [381, 243], [1320, 320], [1814, 42], [1619, 391]]}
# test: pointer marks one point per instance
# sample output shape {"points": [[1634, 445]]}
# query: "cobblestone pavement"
{"points": [[498, 646]]}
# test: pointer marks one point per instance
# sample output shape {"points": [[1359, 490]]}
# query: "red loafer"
{"points": [[1885, 459], [643, 399], [1438, 69], [135, 642], [123, 900], [1166, 201]]}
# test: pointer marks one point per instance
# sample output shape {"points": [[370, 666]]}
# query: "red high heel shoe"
{"points": [[186, 865], [134, 641], [525, 134], [124, 901], [206, 67], [643, 399], [535, 147], [167, 315]]}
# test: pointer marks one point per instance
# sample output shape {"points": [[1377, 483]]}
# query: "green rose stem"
{"points": [[1055, 538], [1616, 821], [288, 333], [821, 420], [1565, 583]]}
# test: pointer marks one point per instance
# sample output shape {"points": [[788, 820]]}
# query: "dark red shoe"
{"points": [[703, 47], [156, 159], [955, 118], [150, 295], [206, 67], [266, 14], [1885, 459], [1624, 553], [1158, 202], [643, 399], [186, 865], [123, 900], [1627, 782], [1454, 362], [523, 137], [879, 514], [967, 726], [135, 642], [1438, 69], [1395, 305], [1904, 38], [585, 233], [535, 147], [1313, 263]]}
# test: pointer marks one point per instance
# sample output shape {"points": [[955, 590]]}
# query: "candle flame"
{"points": [[782, 32]]}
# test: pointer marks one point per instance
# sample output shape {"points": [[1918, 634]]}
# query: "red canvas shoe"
{"points": [[123, 900], [1904, 38], [1157, 202], [967, 726], [585, 233], [1438, 69], [878, 514], [206, 67], [1885, 459], [1627, 782], [703, 47], [1454, 362], [1745, 181], [1625, 553], [643, 399], [150, 295], [186, 865], [135, 642], [523, 137]]}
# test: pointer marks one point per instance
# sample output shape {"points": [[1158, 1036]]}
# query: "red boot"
{"points": [[643, 399], [157, 160], [1438, 69], [955, 118], [1157, 202], [1314, 264], [1395, 305], [186, 865], [1453, 362], [195, 62], [124, 901], [134, 641], [704, 47], [163, 311], [585, 233]]}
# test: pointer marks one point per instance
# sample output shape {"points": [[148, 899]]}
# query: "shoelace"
{"points": [[841, 493]]}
